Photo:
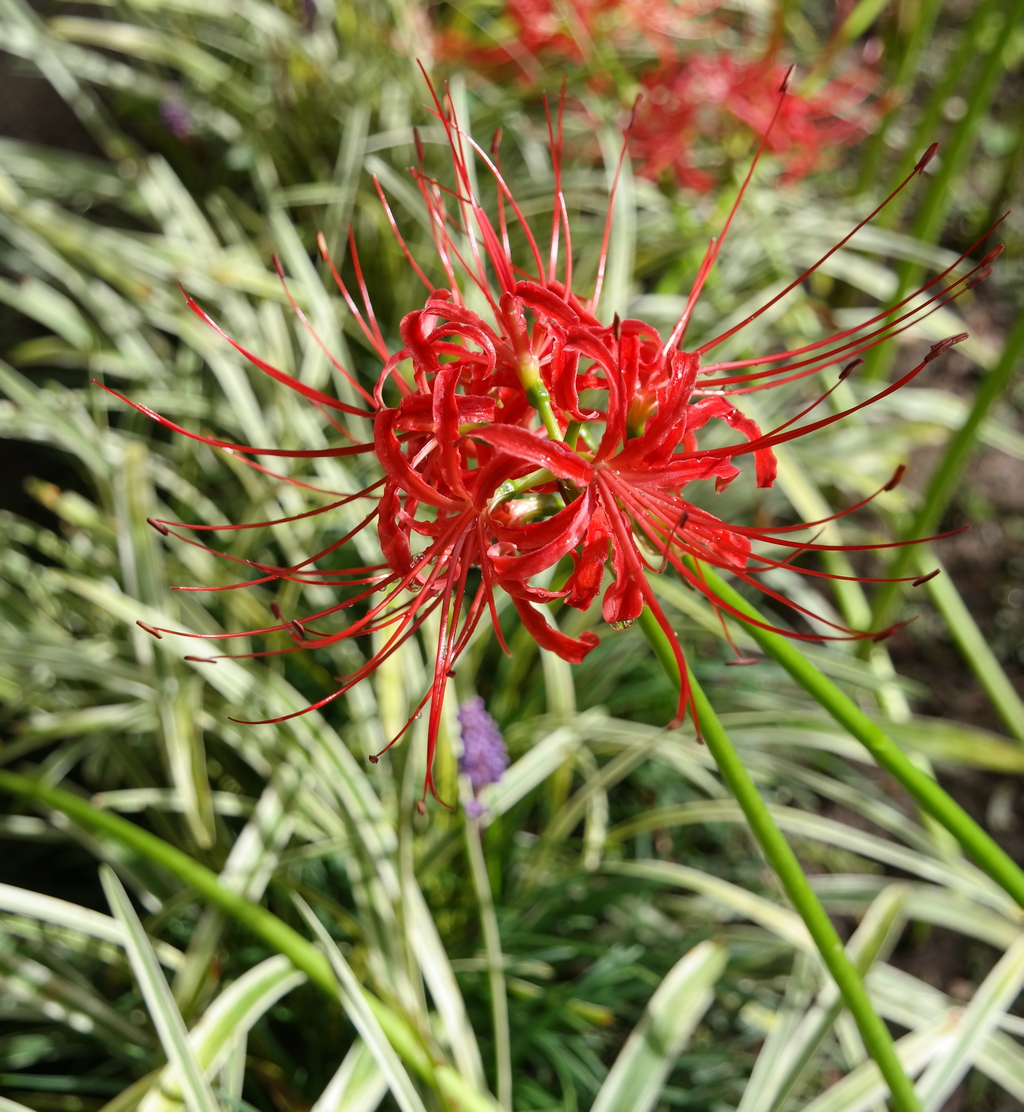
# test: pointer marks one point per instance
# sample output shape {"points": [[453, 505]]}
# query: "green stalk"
{"points": [[495, 963], [887, 754], [946, 476], [536, 392], [931, 212], [794, 880], [931, 117], [902, 79], [265, 925]]}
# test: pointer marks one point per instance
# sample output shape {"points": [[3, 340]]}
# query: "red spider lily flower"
{"points": [[695, 98], [542, 32], [689, 98], [494, 465]]}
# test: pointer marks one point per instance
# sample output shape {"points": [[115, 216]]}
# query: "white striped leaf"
{"points": [[157, 993], [638, 1075]]}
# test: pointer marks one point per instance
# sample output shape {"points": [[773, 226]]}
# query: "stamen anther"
{"points": [[897, 477], [977, 279], [944, 345], [926, 158]]}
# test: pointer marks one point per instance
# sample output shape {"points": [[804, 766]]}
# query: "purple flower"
{"points": [[484, 756], [176, 117]]}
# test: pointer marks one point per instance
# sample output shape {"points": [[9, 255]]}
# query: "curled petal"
{"points": [[416, 411], [567, 527], [572, 649], [528, 446], [389, 452], [585, 580], [765, 466]]}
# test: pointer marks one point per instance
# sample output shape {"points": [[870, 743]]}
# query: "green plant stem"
{"points": [[887, 754], [495, 963], [794, 881], [947, 474], [265, 925], [902, 78], [930, 121], [931, 212]]}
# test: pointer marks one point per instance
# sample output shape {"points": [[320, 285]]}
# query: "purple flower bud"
{"points": [[176, 117], [484, 756]]}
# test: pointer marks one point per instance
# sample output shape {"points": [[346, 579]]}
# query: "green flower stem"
{"points": [[537, 394], [495, 963], [931, 212], [928, 125], [887, 754], [511, 487], [915, 39], [265, 925], [794, 881], [947, 474]]}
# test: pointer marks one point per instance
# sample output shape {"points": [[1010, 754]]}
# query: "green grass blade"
{"points": [[177, 691], [429, 951], [778, 1049], [228, 1019], [875, 936], [198, 1095], [37, 45], [862, 1089], [532, 769], [780, 921], [358, 1085], [930, 212], [946, 477], [973, 645], [638, 1074], [995, 994], [365, 1022], [64, 998], [495, 962], [7, 1105], [905, 1000], [261, 922], [82, 920]]}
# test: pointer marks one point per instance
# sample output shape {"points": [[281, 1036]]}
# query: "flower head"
{"points": [[704, 95], [693, 101], [534, 435], [484, 756], [176, 117], [533, 35]]}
